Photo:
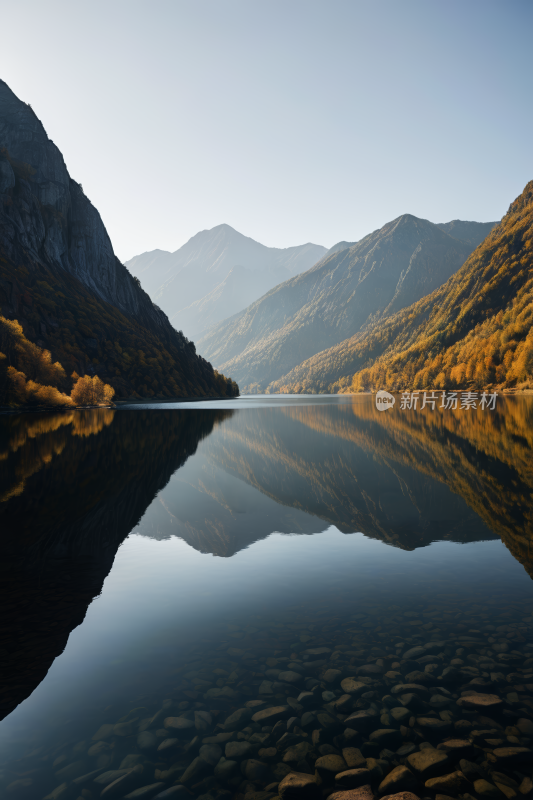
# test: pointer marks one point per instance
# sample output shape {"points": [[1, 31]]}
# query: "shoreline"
{"points": [[40, 409]]}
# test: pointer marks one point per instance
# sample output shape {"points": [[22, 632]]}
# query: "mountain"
{"points": [[474, 331], [471, 232], [350, 288], [180, 282], [61, 279]]}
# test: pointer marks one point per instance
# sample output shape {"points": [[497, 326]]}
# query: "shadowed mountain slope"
{"points": [[471, 232], [60, 278], [182, 282], [346, 291]]}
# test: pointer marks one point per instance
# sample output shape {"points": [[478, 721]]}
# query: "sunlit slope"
{"points": [[475, 330], [347, 290]]}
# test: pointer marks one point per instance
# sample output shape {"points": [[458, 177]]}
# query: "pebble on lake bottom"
{"points": [[403, 705]]}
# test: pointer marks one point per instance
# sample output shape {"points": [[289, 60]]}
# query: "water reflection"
{"points": [[73, 485]]}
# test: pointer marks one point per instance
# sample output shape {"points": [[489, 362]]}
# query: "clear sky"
{"points": [[290, 120]]}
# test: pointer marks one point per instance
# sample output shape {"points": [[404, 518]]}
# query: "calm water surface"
{"points": [[205, 558]]}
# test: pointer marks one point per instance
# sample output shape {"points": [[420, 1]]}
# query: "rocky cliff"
{"points": [[57, 261]]}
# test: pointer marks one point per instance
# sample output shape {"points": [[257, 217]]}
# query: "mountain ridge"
{"points": [[475, 330], [181, 281], [349, 288]]}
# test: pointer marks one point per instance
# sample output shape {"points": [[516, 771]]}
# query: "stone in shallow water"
{"points": [[353, 757], [145, 792], [453, 784], [299, 786], [353, 686], [414, 653], [211, 753], [400, 714], [173, 793], [124, 728], [525, 726], [361, 720], [433, 725], [406, 750], [255, 771], [352, 778], [146, 741], [111, 775], [166, 744], [91, 776], [72, 771], [196, 770], [59, 793], [480, 702], [456, 748], [398, 780], [238, 750], [290, 677], [103, 732], [410, 688], [297, 753], [332, 675], [179, 725], [330, 765], [386, 737], [268, 716], [98, 748], [487, 791], [371, 670], [362, 793], [126, 783], [225, 769], [513, 755], [429, 763]]}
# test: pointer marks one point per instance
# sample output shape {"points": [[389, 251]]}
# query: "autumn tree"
{"points": [[89, 391]]}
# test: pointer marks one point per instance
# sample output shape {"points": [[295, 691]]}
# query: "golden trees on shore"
{"points": [[89, 391], [29, 377]]}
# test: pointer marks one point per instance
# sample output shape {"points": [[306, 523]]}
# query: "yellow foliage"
{"points": [[89, 391], [32, 393]]}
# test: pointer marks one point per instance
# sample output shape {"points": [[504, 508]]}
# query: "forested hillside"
{"points": [[61, 280], [474, 331]]}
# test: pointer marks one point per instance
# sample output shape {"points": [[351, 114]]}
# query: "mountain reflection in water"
{"points": [[73, 485]]}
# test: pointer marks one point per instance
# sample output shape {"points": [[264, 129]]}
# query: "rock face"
{"points": [[52, 220], [61, 279], [384, 272]]}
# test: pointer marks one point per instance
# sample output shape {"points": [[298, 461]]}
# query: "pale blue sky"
{"points": [[290, 120]]}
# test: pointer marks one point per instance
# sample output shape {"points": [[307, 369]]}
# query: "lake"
{"points": [[201, 599]]}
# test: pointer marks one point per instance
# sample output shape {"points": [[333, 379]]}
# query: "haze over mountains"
{"points": [[217, 273], [351, 287]]}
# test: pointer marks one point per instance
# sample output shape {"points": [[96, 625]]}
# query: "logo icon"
{"points": [[384, 400]]}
